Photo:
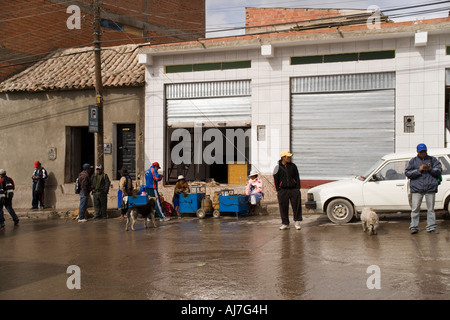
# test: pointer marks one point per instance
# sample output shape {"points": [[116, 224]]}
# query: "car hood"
{"points": [[336, 185]]}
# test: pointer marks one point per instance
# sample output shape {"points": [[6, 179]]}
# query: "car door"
{"points": [[387, 189], [444, 187]]}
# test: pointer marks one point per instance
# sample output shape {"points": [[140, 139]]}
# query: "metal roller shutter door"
{"points": [[337, 135], [210, 103]]}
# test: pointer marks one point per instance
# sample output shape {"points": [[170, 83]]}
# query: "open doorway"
{"points": [[220, 154], [79, 150]]}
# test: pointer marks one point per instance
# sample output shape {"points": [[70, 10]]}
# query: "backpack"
{"points": [[77, 186], [9, 188]]}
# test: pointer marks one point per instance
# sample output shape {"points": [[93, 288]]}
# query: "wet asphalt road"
{"points": [[225, 258]]}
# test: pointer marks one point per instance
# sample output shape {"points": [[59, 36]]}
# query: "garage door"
{"points": [[221, 103], [341, 124]]}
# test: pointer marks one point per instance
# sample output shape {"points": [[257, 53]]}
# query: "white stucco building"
{"points": [[338, 97]]}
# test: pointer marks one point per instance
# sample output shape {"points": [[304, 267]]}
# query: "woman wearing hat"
{"points": [[181, 187], [254, 188]]}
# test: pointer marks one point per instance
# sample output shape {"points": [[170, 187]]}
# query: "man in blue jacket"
{"points": [[152, 177], [423, 172]]}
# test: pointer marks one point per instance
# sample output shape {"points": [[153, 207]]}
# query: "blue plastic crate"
{"points": [[191, 202], [138, 200], [233, 203]]}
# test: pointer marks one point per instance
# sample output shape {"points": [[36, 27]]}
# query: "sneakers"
{"points": [[82, 220], [285, 226], [414, 230], [432, 231]]}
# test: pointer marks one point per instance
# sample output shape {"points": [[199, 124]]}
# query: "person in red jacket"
{"points": [[6, 194]]}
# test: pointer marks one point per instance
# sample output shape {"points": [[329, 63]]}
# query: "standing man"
{"points": [[39, 177], [6, 194], [84, 178], [152, 177], [100, 187], [287, 184], [423, 172]]}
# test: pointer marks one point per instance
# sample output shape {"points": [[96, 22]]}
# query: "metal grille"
{"points": [[337, 134]]}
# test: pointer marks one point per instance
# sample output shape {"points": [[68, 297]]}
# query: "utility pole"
{"points": [[98, 82]]}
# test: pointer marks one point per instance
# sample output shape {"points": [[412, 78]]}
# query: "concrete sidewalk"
{"points": [[269, 208]]}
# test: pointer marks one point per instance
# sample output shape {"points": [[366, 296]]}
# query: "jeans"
{"points": [[84, 201], [8, 205], [415, 213], [100, 204]]}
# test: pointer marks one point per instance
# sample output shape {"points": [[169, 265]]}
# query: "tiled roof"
{"points": [[70, 69]]}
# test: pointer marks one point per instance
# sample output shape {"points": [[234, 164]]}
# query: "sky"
{"points": [[222, 15]]}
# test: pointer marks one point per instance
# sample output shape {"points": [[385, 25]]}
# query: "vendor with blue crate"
{"points": [[254, 188], [181, 187]]}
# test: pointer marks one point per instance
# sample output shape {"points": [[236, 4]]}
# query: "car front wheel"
{"points": [[340, 211]]}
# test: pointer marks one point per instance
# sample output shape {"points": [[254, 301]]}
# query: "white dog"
{"points": [[369, 220]]}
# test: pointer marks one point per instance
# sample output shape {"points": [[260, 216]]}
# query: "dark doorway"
{"points": [[126, 149], [82, 151]]}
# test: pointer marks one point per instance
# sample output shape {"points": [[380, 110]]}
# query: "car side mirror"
{"points": [[377, 177]]}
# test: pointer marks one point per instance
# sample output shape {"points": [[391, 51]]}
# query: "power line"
{"points": [[22, 57]]}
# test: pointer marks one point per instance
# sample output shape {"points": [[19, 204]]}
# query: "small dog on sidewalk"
{"points": [[369, 220], [145, 211]]}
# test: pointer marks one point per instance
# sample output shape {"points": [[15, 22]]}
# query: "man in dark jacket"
{"points": [[7, 187], [287, 184], [84, 179], [423, 172], [39, 177], [100, 187]]}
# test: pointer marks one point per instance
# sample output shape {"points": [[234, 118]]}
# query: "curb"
{"points": [[269, 208]]}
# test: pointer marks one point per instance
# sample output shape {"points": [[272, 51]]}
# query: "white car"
{"points": [[384, 188]]}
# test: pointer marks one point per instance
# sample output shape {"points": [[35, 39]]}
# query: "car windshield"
{"points": [[367, 174]]}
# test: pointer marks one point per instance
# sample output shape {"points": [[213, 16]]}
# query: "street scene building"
{"points": [[339, 88], [327, 84], [47, 85]]}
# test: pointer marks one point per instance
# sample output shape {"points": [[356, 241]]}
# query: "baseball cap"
{"points": [[99, 166], [421, 147], [86, 166], [155, 164], [286, 154], [2, 171], [36, 164]]}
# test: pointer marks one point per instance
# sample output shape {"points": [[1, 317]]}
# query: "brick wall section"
{"points": [[37, 27], [268, 16]]}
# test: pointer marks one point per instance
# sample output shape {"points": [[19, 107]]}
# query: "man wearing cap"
{"points": [[100, 187], [287, 184], [39, 176], [423, 172], [84, 178], [152, 177]]}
